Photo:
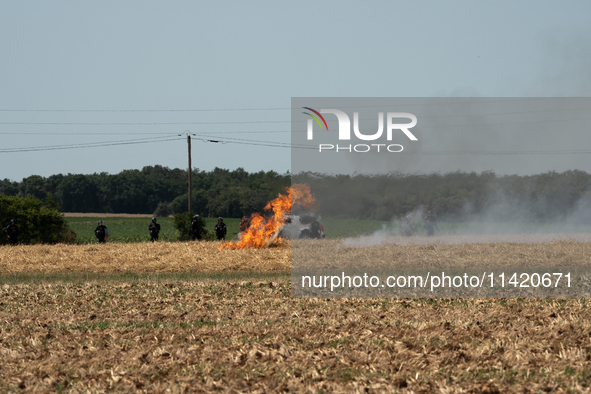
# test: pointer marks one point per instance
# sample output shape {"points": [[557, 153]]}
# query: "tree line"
{"points": [[550, 196], [220, 192], [155, 189]]}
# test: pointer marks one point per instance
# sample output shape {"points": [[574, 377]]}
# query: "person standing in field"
{"points": [[12, 232], [195, 229], [154, 229], [100, 232], [430, 224], [244, 224], [220, 229]]}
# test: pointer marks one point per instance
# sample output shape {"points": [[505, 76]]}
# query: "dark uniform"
{"points": [[195, 229], [220, 229], [154, 229], [430, 224], [100, 232], [243, 226], [12, 232], [244, 223]]}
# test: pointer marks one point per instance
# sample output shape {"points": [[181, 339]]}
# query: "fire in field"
{"points": [[263, 232]]}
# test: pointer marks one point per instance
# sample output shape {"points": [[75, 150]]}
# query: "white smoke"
{"points": [[394, 229], [505, 219]]}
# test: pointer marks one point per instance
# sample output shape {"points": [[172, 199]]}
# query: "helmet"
{"points": [[154, 219], [220, 218], [100, 222], [430, 212], [244, 217], [195, 217], [12, 221]]}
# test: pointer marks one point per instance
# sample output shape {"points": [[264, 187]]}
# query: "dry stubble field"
{"points": [[248, 335]]}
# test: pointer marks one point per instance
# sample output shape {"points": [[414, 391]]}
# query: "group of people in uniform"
{"points": [[102, 233], [220, 229]]}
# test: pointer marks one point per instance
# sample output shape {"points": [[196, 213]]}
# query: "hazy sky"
{"points": [[505, 135], [76, 73]]}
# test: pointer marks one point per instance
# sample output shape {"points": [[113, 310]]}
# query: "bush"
{"points": [[38, 221], [182, 222], [181, 203], [162, 210]]}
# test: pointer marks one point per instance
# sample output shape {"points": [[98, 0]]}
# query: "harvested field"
{"points": [[481, 262], [328, 253], [365, 241], [141, 257], [244, 336], [206, 256], [247, 335]]}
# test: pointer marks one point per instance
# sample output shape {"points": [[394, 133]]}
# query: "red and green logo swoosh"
{"points": [[315, 118]]}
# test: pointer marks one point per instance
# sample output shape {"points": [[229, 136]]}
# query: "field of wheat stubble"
{"points": [[242, 334]]}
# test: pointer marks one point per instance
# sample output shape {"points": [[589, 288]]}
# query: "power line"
{"points": [[279, 145], [290, 121], [152, 140], [134, 123], [138, 132], [253, 142], [479, 152], [145, 110], [474, 101], [85, 145], [510, 152]]}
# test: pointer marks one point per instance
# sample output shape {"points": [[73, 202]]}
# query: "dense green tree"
{"points": [[8, 187], [34, 186], [38, 221], [163, 209], [198, 202], [78, 193]]}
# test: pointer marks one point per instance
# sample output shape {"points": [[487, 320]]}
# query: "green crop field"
{"points": [[133, 229], [341, 228]]}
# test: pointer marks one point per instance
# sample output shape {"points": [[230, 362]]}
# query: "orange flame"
{"points": [[264, 232]]}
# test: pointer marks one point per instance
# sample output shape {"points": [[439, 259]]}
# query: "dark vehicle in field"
{"points": [[302, 226]]}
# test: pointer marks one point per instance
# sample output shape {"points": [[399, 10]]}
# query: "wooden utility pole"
{"points": [[189, 143]]}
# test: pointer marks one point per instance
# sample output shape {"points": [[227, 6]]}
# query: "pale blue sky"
{"points": [[189, 55]]}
